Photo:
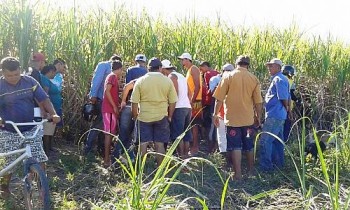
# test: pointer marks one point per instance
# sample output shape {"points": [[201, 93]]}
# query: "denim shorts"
{"points": [[240, 138], [157, 131], [180, 122]]}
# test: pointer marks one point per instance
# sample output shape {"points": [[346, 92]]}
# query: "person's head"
{"points": [[49, 71], [167, 67], [186, 59], [117, 67], [141, 59], [204, 66], [243, 61], [60, 65], [37, 61], [116, 57], [274, 66], [10, 68], [227, 68], [154, 65], [288, 70]]}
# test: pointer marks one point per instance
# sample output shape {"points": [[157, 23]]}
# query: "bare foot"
{"points": [[237, 177]]}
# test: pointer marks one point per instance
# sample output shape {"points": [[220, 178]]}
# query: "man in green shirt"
{"points": [[153, 103]]}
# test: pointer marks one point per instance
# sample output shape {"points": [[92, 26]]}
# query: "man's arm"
{"points": [[197, 84], [173, 78], [96, 82], [171, 110], [47, 105], [258, 111], [217, 108], [135, 110], [128, 87]]}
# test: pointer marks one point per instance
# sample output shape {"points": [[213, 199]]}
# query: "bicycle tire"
{"points": [[36, 188]]}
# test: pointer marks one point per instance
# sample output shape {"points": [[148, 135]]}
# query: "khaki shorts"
{"points": [[49, 128]]}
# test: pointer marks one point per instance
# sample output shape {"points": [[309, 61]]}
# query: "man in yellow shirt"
{"points": [[194, 82], [153, 103], [240, 92]]}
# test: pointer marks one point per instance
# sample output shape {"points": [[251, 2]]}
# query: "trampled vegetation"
{"points": [[83, 38]]}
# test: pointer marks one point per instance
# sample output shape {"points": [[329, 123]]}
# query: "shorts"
{"points": [[197, 113], [12, 141], [180, 122], [158, 131], [240, 138], [49, 128], [109, 122]]}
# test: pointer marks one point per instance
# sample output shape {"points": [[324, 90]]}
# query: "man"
{"points": [[194, 82], [138, 70], [241, 94], [17, 96], [153, 103], [37, 63], [181, 119], [96, 95], [276, 109], [60, 67], [208, 104]]}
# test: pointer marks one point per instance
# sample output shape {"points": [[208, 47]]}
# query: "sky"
{"points": [[315, 17]]}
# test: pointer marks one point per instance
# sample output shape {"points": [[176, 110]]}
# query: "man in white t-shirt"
{"points": [[181, 118]]}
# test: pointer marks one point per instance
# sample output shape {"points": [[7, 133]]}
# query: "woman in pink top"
{"points": [[110, 107]]}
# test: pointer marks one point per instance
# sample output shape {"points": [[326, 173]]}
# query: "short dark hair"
{"points": [[154, 68], [241, 63], [116, 57], [48, 68], [204, 63], [10, 64], [56, 61], [116, 64]]}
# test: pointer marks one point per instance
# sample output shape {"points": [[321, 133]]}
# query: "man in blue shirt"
{"points": [[96, 95], [276, 108], [138, 70]]}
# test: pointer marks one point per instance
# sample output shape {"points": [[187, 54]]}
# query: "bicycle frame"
{"points": [[26, 152]]}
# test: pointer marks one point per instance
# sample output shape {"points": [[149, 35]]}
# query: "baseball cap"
{"points": [[228, 67], [275, 61], [154, 63], [243, 59], [185, 56], [140, 57], [166, 64], [37, 56]]}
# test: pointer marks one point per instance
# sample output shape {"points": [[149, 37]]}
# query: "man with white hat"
{"points": [[240, 92], [138, 70], [181, 118], [276, 109], [194, 81]]}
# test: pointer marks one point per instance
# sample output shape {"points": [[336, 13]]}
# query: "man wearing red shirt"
{"points": [[208, 104]]}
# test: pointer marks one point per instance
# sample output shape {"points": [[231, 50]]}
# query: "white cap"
{"points": [[275, 61], [166, 64], [228, 67], [185, 56], [140, 57]]}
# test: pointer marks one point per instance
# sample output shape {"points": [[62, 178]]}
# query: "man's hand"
{"points": [[55, 118], [116, 111], [216, 121], [122, 105], [257, 122], [93, 100], [1, 122]]}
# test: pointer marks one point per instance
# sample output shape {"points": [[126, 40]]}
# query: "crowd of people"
{"points": [[159, 104]]}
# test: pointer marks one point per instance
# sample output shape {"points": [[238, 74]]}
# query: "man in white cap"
{"points": [[194, 81], [138, 70], [276, 109], [181, 118], [240, 92]]}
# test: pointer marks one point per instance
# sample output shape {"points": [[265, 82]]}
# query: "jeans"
{"points": [[271, 149], [126, 126], [93, 134]]}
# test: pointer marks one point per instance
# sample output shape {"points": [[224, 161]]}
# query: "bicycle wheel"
{"points": [[36, 188]]}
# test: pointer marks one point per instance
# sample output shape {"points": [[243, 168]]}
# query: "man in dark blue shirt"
{"points": [[138, 70]]}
